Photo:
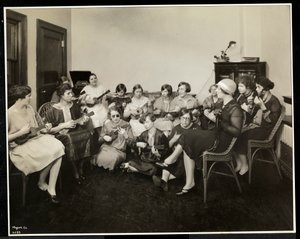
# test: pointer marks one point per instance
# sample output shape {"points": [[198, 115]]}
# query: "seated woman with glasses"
{"points": [[115, 136], [32, 154], [152, 146], [176, 169], [71, 128]]}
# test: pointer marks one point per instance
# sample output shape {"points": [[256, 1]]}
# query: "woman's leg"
{"points": [[54, 171], [173, 157], [244, 167], [238, 162], [42, 180], [189, 166]]}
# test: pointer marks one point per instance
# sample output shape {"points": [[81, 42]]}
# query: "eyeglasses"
{"points": [[115, 116], [185, 118]]}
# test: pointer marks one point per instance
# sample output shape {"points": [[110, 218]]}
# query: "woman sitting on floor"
{"points": [[116, 134], [119, 99], [152, 145], [271, 109], [34, 154], [176, 169], [194, 143], [71, 128]]}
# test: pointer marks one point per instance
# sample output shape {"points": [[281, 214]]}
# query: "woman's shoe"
{"points": [[162, 165], [244, 170], [186, 191], [158, 182], [78, 181], [53, 198]]}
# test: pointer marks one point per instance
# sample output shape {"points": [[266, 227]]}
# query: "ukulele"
{"points": [[65, 131], [97, 99], [139, 110], [33, 132]]}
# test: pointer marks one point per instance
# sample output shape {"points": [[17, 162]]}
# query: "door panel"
{"points": [[51, 59], [16, 48]]}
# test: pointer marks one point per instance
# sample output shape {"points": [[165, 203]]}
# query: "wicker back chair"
{"points": [[224, 157], [44, 108], [268, 144]]}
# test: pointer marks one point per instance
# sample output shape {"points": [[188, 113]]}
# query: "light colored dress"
{"points": [[137, 127], [188, 102], [113, 154], [100, 110], [35, 154]]}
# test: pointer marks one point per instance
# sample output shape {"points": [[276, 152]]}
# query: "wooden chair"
{"points": [[13, 171], [268, 144], [44, 108], [223, 157]]}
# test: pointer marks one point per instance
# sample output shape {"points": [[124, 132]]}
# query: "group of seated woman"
{"points": [[165, 133]]}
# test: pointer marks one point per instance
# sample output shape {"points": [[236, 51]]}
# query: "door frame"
{"points": [[52, 27], [21, 19]]}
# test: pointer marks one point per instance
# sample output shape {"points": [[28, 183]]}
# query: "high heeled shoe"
{"points": [[53, 198], [158, 182], [162, 165], [186, 191]]}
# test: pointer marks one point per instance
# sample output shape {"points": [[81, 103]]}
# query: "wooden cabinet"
{"points": [[233, 70]]}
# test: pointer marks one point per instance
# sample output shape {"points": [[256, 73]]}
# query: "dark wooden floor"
{"points": [[127, 203]]}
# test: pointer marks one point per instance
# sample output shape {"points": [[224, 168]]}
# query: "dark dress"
{"points": [[209, 103], [177, 168], [77, 140], [248, 100], [195, 142], [119, 101], [269, 119], [145, 161]]}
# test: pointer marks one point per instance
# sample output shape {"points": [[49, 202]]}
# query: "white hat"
{"points": [[227, 85]]}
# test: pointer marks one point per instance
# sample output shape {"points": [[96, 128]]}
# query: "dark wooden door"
{"points": [[51, 59], [16, 48]]}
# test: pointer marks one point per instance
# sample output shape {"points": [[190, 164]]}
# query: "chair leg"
{"points": [[235, 177], [276, 162], [204, 180], [249, 164], [24, 188]]}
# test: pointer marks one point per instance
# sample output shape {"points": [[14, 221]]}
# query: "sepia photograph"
{"points": [[149, 119]]}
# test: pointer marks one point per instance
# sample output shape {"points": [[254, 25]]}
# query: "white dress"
{"points": [[35, 154], [100, 110], [136, 126]]}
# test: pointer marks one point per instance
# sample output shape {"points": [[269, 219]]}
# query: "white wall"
{"points": [[157, 45], [153, 46], [276, 47], [60, 17]]}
